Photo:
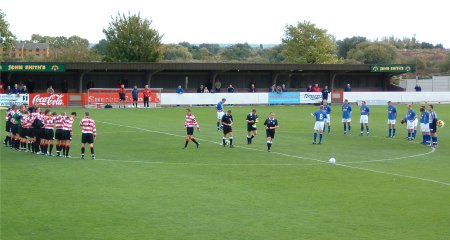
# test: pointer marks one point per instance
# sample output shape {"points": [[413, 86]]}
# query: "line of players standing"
{"points": [[428, 120], [32, 130]]}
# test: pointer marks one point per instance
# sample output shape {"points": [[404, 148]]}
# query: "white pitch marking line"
{"points": [[393, 159], [293, 156]]}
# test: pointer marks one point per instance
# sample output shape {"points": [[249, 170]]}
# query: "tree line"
{"points": [[131, 38]]}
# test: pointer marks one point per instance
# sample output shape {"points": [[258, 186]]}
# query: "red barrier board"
{"points": [[49, 100]]}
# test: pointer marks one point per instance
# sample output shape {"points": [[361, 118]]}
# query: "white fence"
{"points": [[436, 84], [400, 97]]}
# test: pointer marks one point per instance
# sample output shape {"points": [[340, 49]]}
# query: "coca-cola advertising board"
{"points": [[49, 100]]}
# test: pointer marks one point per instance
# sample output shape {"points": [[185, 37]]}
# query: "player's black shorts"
{"points": [[87, 138], [135, 99], [146, 99], [250, 128], [49, 134], [122, 96], [227, 129], [433, 127], [31, 132], [8, 126], [14, 129], [58, 134], [65, 135], [23, 132], [270, 133], [37, 132], [190, 130]]}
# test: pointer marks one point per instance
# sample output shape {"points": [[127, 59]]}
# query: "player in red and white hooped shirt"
{"points": [[26, 131], [9, 115], [49, 133], [189, 124], [67, 133], [88, 135], [59, 123]]}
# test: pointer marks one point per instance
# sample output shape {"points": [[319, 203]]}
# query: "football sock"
{"points": [[345, 128], [195, 141], [29, 146], [414, 133], [252, 136], [231, 141], [186, 143], [315, 137], [7, 139], [362, 129], [320, 137], [390, 132], [269, 145], [367, 129], [51, 148], [67, 150], [224, 141], [92, 150], [435, 140], [349, 128], [393, 132], [409, 135], [249, 139], [218, 125], [329, 128], [82, 150]]}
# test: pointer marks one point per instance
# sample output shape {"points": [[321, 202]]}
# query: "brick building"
{"points": [[23, 49]]}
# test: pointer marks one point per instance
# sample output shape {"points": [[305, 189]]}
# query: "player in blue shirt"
{"points": [[392, 118], [320, 116], [220, 112], [327, 109], [433, 120], [364, 119], [411, 117], [425, 125], [346, 116]]}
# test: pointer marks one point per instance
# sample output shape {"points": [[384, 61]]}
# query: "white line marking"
{"points": [[392, 159], [298, 157]]}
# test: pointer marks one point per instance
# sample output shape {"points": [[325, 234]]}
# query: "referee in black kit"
{"points": [[270, 124]]}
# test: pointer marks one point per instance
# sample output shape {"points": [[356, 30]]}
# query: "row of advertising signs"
{"points": [[62, 100]]}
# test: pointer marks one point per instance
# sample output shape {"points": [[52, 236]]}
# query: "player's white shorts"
{"points": [[416, 121], [346, 120], [220, 114], [425, 127], [328, 119], [391, 121], [364, 119], [319, 126], [409, 124]]}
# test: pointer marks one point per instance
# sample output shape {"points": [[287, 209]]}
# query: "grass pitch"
{"points": [[144, 186]]}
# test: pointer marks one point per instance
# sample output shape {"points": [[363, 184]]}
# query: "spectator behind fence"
{"points": [[273, 88], [217, 85], [309, 88], [252, 88], [16, 89], [418, 88], [316, 88], [24, 90], [284, 88], [64, 86], [348, 88], [2, 90], [230, 89], [201, 89], [50, 90], [179, 90]]}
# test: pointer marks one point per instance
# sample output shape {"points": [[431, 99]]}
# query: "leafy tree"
{"points": [[439, 45], [7, 39], [347, 44], [213, 48], [425, 45], [100, 47], [175, 52], [131, 39], [273, 55], [373, 53], [445, 66], [305, 43], [237, 52]]}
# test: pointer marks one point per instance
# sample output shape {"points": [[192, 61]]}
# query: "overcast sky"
{"points": [[235, 21]]}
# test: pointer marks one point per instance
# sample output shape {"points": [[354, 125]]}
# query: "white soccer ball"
{"points": [[332, 160]]}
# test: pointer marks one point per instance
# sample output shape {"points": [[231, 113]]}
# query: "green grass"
{"points": [[144, 186]]}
